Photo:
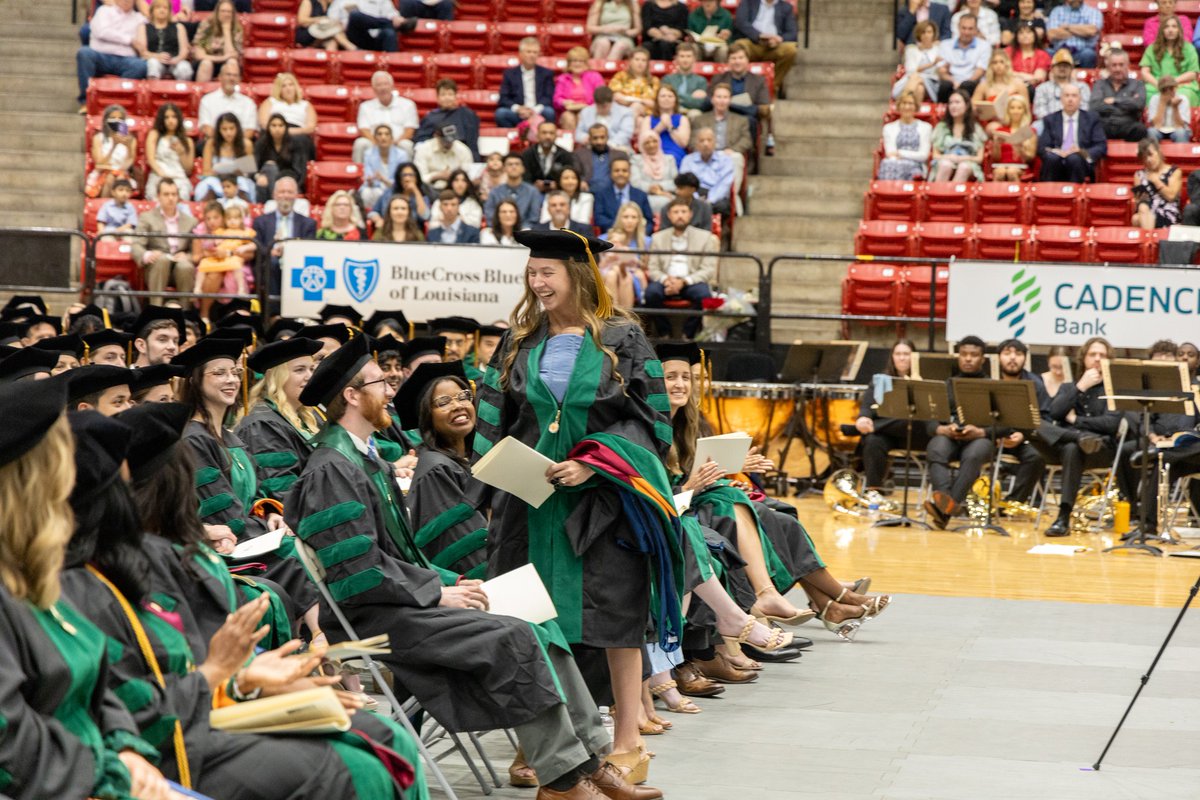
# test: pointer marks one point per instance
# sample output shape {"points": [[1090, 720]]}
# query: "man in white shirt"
{"points": [[386, 108], [110, 50], [964, 59], [227, 99], [371, 24], [677, 276], [438, 157], [614, 116], [986, 21]]}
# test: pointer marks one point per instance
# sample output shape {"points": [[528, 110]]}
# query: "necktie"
{"points": [[1069, 136], [372, 448]]}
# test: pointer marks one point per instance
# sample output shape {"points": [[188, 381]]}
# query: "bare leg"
{"points": [[625, 669], [204, 71], [601, 46], [963, 173], [770, 601], [211, 285], [944, 170]]}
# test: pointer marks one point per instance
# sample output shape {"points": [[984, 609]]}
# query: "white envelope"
{"points": [[258, 546], [514, 467], [520, 594]]}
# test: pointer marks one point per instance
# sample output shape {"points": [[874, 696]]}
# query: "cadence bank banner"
{"points": [[425, 281], [1053, 304]]}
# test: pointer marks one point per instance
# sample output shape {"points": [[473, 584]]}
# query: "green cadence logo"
{"points": [[1020, 302]]}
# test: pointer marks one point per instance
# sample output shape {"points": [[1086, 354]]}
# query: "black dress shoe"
{"points": [[789, 653], [1059, 528]]}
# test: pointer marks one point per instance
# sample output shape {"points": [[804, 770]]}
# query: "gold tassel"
{"points": [[705, 377], [410, 331], [245, 385], [107, 321], [604, 305], [87, 353]]}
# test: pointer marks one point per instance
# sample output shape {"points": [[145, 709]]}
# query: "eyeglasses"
{"points": [[444, 400], [222, 374], [368, 383]]}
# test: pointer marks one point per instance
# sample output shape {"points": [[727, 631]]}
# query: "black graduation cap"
{"points": [[393, 319], [208, 349], [28, 412], [41, 319], [108, 338], [276, 353], [95, 378], [151, 313], [9, 332], [281, 326], [243, 333], [335, 372], [70, 344], [7, 350], [424, 346], [337, 331], [155, 429], [387, 346], [29, 361], [90, 310], [560, 244], [100, 446], [331, 311], [408, 399], [235, 306], [23, 305], [252, 321], [679, 351], [155, 375], [492, 330], [464, 325]]}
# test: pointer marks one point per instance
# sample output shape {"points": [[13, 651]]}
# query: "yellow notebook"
{"points": [[309, 711]]}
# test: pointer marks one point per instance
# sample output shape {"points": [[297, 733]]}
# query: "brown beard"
{"points": [[374, 411]]}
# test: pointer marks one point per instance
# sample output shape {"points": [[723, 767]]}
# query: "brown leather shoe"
{"points": [[692, 683], [941, 507], [719, 668], [610, 780], [584, 790]]}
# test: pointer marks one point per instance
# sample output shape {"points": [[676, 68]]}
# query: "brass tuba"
{"points": [[1094, 507], [977, 503], [843, 496]]}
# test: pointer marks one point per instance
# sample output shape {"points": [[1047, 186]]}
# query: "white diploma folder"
{"points": [[514, 467], [520, 594], [728, 451]]}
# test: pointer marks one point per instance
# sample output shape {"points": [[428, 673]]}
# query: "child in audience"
{"points": [[492, 175], [231, 195], [224, 270], [379, 165], [618, 268], [118, 214]]}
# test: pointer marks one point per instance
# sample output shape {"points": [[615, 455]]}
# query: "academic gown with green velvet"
{"points": [[277, 448], [62, 726], [470, 669], [449, 512]]}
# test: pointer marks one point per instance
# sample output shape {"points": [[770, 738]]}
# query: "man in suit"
{"points": [[1072, 141], [285, 223], [453, 230], [750, 96], [558, 206], [165, 258], [619, 192], [767, 28], [595, 160], [906, 20], [545, 160], [679, 276], [526, 90]]}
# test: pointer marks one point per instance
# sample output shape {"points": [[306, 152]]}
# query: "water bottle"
{"points": [[610, 725], [873, 509]]}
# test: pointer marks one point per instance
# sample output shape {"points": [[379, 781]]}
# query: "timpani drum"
{"points": [[759, 409], [828, 407]]}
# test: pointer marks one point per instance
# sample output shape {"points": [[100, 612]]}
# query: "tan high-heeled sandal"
{"points": [[529, 781], [634, 765], [684, 706], [799, 618]]}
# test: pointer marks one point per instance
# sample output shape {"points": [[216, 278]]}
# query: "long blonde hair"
{"points": [[277, 86], [271, 388], [35, 519], [640, 234], [1025, 117]]}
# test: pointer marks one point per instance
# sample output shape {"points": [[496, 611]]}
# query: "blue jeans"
{"points": [[91, 64], [507, 118], [415, 8], [694, 293], [358, 31], [1181, 135], [1085, 57]]}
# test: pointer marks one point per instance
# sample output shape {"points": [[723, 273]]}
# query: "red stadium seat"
{"points": [[606, 67], [525, 11], [491, 70], [510, 34], [767, 70], [1052, 203], [559, 37], [264, 63], [476, 9], [570, 10], [944, 239], [1124, 245], [458, 67], [898, 200], [335, 140], [1133, 15], [103, 92], [91, 208], [425, 99], [408, 69], [181, 93], [1130, 42], [1061, 243], [481, 101], [556, 64], [1002, 202], [313, 66], [270, 30], [327, 177], [114, 259], [332, 103], [948, 201], [277, 6], [998, 241], [1120, 163], [426, 37], [357, 66], [1185, 155], [258, 91], [874, 289], [1107, 204], [916, 291], [885, 238], [464, 36]]}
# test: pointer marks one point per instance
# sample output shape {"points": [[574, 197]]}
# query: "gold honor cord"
{"points": [[604, 306]]}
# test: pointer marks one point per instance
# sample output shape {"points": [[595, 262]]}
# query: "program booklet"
{"points": [[728, 450], [521, 594], [514, 467]]}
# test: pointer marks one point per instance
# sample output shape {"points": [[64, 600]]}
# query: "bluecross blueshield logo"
{"points": [[361, 278], [1020, 303], [313, 279]]}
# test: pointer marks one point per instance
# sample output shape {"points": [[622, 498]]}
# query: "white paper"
{"points": [[520, 594], [514, 467], [258, 546], [683, 501], [404, 483], [1056, 549], [728, 451], [1186, 554]]}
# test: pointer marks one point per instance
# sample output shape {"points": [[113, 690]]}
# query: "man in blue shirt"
{"points": [[713, 168], [527, 198], [964, 60], [1076, 27]]}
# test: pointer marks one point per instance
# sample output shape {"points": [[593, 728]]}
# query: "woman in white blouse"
{"points": [[921, 61], [287, 100], [582, 203], [906, 143]]}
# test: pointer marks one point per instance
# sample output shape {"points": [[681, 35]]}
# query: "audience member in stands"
{"points": [[964, 60], [409, 186], [1048, 97], [692, 89], [767, 29], [545, 159], [615, 26], [449, 112], [438, 157], [227, 99], [526, 90], [998, 82], [1166, 10], [428, 9], [515, 188], [470, 209], [118, 214], [1030, 63], [164, 44], [163, 256], [379, 165], [653, 171], [1156, 189], [1119, 100], [713, 168], [284, 223], [1072, 141], [1169, 114], [616, 119], [453, 229], [582, 202], [664, 26], [634, 225], [987, 23], [556, 214], [1027, 16], [634, 86], [732, 132], [278, 152], [387, 107], [224, 271], [687, 186], [1172, 55], [492, 174], [231, 195], [170, 152], [212, 220], [1009, 161], [751, 98], [114, 152], [622, 272], [618, 192], [913, 13], [1076, 26], [227, 147], [371, 24], [218, 41], [505, 221], [110, 49], [341, 220], [287, 100], [667, 120], [575, 89], [314, 28], [958, 141], [595, 161], [906, 143], [710, 14], [680, 276], [399, 224], [921, 59]]}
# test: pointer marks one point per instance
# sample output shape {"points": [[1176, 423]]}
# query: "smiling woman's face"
{"points": [[455, 419], [550, 282]]}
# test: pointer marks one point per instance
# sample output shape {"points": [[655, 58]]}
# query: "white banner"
{"points": [[425, 281], [1058, 304]]}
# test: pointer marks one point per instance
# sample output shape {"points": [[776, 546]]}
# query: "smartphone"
{"points": [[118, 126]]}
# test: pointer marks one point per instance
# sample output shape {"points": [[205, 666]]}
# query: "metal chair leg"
{"points": [[487, 762]]}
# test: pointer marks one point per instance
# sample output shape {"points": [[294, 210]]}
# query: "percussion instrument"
{"points": [[828, 406], [759, 409]]}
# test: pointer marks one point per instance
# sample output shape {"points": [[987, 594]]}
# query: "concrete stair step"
{"points": [[62, 103], [16, 50], [27, 160], [810, 91], [815, 205], [43, 86], [849, 168], [65, 187], [35, 65], [809, 330], [48, 122], [884, 57], [832, 144], [38, 141], [791, 112], [763, 230], [767, 250], [838, 75], [20, 218], [43, 11], [768, 186], [851, 38], [61, 31], [39, 199], [864, 21]]}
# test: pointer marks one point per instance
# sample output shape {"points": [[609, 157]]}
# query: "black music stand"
{"points": [[994, 404], [912, 400], [1146, 386]]}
